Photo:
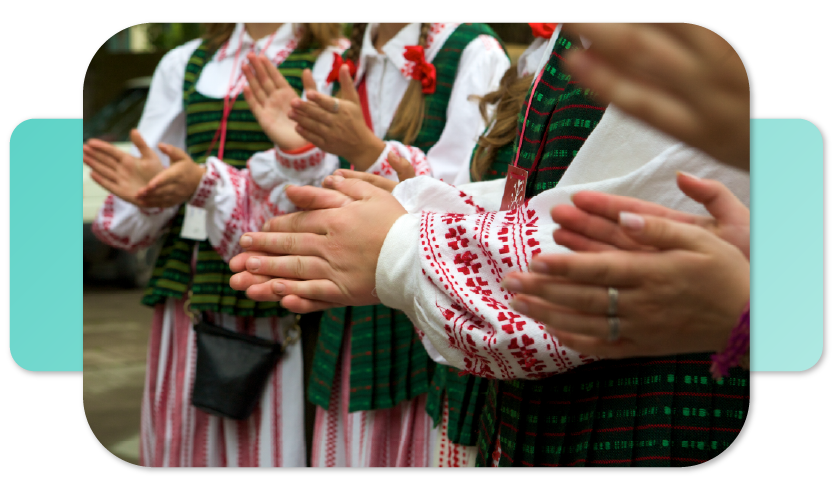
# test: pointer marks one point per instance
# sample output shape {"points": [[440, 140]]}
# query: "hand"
{"points": [[320, 259], [403, 169], [269, 96], [119, 172], [591, 225], [342, 132], [683, 79], [174, 185], [683, 298]]}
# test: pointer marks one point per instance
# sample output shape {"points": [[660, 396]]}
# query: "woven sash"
{"points": [[632, 412], [244, 137], [388, 362]]}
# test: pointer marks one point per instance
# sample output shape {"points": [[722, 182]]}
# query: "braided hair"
{"points": [[408, 119]]}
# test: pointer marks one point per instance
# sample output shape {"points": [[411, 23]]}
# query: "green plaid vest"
{"points": [[633, 412], [244, 137], [388, 362]]}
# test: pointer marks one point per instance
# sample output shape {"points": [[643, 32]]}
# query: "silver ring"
{"points": [[615, 328], [612, 306], [335, 109]]}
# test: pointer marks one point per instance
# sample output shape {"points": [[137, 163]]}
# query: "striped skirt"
{"points": [[175, 433]]}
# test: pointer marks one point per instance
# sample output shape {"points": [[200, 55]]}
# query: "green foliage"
{"points": [[164, 37]]}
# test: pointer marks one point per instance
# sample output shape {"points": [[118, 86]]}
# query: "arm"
{"points": [[122, 224], [481, 67]]}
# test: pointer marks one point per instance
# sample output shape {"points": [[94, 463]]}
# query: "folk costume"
{"points": [[192, 105], [370, 374], [546, 405]]}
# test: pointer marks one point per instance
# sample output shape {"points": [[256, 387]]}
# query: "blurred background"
{"points": [[116, 325]]}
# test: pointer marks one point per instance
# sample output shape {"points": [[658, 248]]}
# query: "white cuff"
{"points": [[398, 264]]}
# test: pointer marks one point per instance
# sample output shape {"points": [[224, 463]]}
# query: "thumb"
{"points": [[175, 153], [309, 84], [717, 199], [402, 167], [348, 91], [663, 233], [144, 150], [355, 188]]}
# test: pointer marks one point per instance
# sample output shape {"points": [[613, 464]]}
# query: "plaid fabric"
{"points": [[632, 412], [244, 137], [388, 362]]}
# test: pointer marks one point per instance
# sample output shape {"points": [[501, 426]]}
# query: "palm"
{"points": [[119, 172]]}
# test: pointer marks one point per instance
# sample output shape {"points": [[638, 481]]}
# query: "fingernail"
{"points": [[266, 226], [688, 175], [253, 264], [513, 284], [519, 306], [278, 288], [631, 221], [336, 179], [245, 241], [538, 266]]}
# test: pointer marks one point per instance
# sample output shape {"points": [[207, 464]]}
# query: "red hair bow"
{"points": [[543, 30], [336, 68], [423, 71]]}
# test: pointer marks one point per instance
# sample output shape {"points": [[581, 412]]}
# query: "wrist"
{"points": [[367, 153]]}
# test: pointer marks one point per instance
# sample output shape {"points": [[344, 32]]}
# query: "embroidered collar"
{"points": [[240, 40], [394, 49]]}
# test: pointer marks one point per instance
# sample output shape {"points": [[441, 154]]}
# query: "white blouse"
{"points": [[124, 225]]}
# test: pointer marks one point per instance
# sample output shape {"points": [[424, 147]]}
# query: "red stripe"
{"points": [[182, 325]]}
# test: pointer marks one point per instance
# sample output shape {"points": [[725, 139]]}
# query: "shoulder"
{"points": [[177, 58]]}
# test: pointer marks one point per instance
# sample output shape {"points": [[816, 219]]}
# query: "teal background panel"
{"points": [[46, 240], [786, 245]]}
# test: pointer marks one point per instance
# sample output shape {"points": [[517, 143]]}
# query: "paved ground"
{"points": [[116, 329]]}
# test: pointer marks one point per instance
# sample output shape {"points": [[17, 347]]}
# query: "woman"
{"points": [[445, 267], [411, 97], [193, 112]]}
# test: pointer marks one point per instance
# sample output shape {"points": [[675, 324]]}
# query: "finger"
{"points": [[102, 147], [277, 243], [161, 179], [101, 169], [615, 268], [253, 92], [277, 79], [238, 262], [290, 266], [666, 234], [296, 304], [553, 316], [245, 279], [377, 180], [358, 189], [403, 168], [720, 202], [311, 136], [348, 91], [308, 80], [317, 221], [579, 243], [141, 145], [609, 207], [314, 289], [104, 158], [175, 153], [554, 290], [261, 71], [594, 228], [110, 185], [308, 197], [319, 113]]}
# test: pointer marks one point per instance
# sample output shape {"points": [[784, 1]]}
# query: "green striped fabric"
{"points": [[465, 393], [632, 412], [244, 137], [388, 362]]}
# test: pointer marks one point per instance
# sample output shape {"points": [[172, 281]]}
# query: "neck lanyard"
{"points": [[236, 84]]}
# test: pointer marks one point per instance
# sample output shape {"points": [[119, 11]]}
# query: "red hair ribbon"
{"points": [[543, 30], [336, 68], [423, 71]]}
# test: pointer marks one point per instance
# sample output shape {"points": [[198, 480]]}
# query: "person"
{"points": [[193, 114], [409, 103], [443, 259]]}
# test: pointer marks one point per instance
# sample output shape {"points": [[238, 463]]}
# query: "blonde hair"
{"points": [[509, 98], [312, 35]]}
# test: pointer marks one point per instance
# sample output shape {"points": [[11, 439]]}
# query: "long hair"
{"points": [[407, 122], [509, 98], [312, 35]]}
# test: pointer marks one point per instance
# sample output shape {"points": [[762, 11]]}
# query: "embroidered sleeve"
{"points": [[122, 225], [241, 201]]}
